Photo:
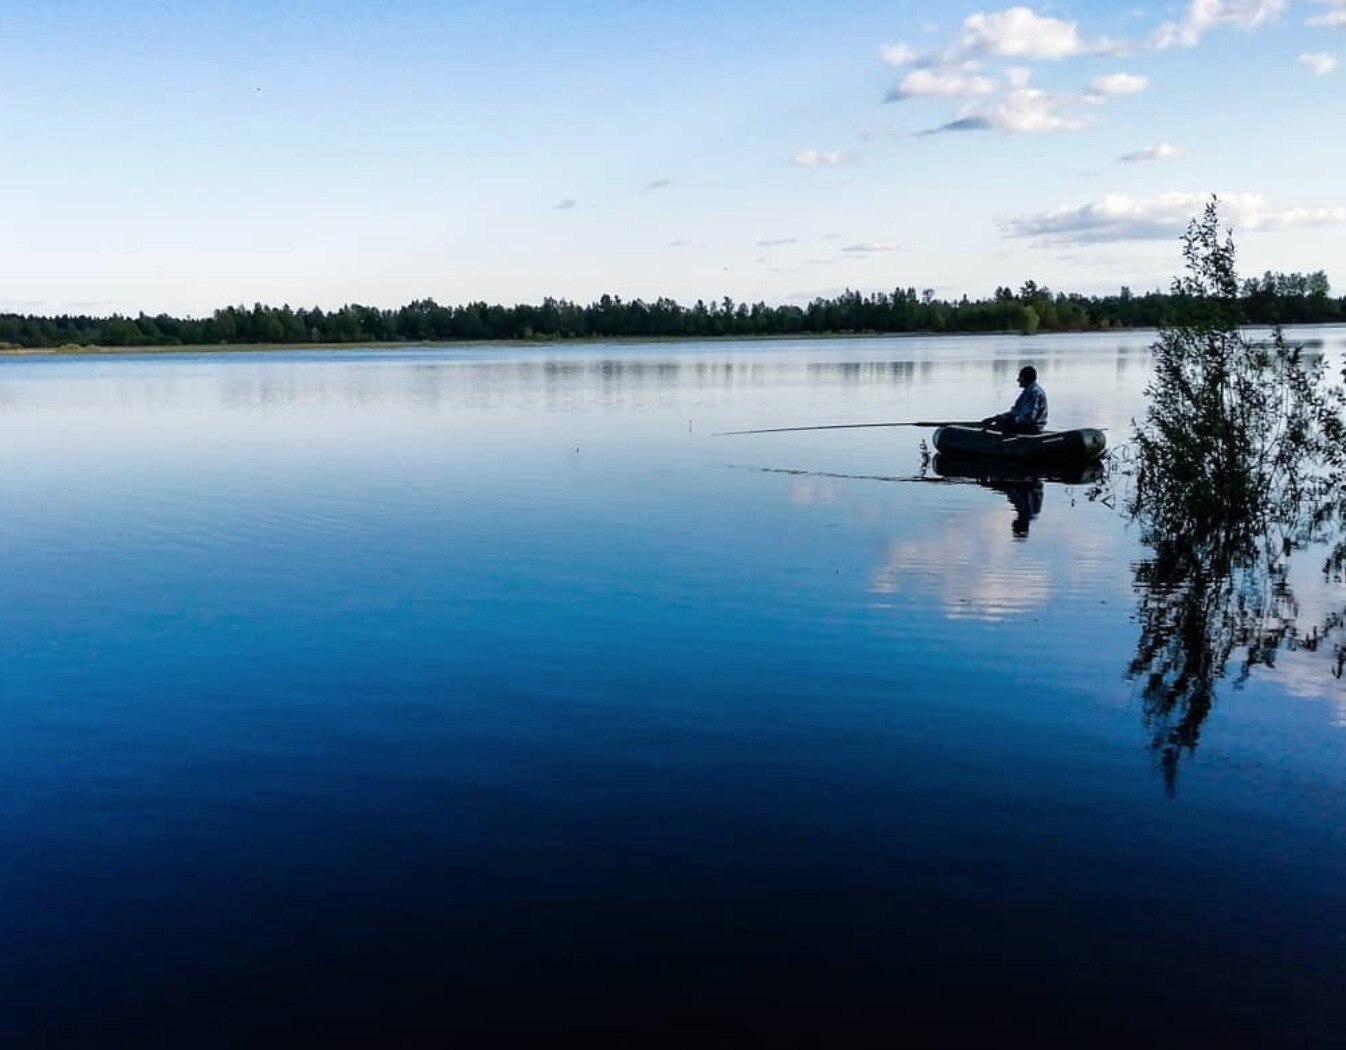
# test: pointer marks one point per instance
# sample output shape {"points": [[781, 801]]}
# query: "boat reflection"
{"points": [[1022, 484]]}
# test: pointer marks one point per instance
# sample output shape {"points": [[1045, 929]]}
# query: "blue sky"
{"points": [[173, 157]]}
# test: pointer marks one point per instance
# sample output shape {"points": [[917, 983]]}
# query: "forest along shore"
{"points": [[1274, 298]]}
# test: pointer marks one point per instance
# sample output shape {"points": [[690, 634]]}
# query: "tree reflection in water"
{"points": [[1239, 466], [1214, 599]]}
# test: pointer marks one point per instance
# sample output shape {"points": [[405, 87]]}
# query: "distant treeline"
{"points": [[1273, 298]]}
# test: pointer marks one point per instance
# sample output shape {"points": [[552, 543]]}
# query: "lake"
{"points": [[448, 696]]}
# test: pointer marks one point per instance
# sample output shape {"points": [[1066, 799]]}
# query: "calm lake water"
{"points": [[441, 696]]}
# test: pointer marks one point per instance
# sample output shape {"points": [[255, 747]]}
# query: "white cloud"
{"points": [[939, 83], [1020, 33], [1029, 111], [873, 246], [814, 158], [659, 184], [1025, 111], [565, 204], [775, 242], [1116, 84], [1013, 106], [897, 54], [1120, 218], [1163, 151], [1335, 18], [1205, 15], [1319, 62], [1015, 33]]}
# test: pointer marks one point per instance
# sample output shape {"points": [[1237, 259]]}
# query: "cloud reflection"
{"points": [[974, 567]]}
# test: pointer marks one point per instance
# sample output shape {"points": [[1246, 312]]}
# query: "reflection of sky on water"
{"points": [[976, 567], [1311, 673], [804, 493], [798, 373], [973, 566]]}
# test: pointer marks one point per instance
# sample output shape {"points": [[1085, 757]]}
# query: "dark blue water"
{"points": [[442, 697]]}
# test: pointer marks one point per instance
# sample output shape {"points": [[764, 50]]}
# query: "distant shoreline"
{"points": [[1033, 310]]}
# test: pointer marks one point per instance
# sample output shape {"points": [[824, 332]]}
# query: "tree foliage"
{"points": [[1240, 463], [1274, 298]]}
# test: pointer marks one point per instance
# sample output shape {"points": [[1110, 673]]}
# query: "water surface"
{"points": [[380, 697]]}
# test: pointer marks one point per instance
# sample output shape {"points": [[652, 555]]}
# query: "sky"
{"points": [[168, 157]]}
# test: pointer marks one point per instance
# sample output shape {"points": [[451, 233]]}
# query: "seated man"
{"points": [[1029, 414]]}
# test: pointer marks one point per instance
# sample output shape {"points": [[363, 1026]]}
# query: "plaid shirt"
{"points": [[1031, 406]]}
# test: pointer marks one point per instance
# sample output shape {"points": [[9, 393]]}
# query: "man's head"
{"points": [[1027, 374]]}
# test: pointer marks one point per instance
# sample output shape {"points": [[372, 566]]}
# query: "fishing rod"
{"points": [[855, 426]]}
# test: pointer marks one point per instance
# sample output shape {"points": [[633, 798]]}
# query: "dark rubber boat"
{"points": [[1059, 447]]}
